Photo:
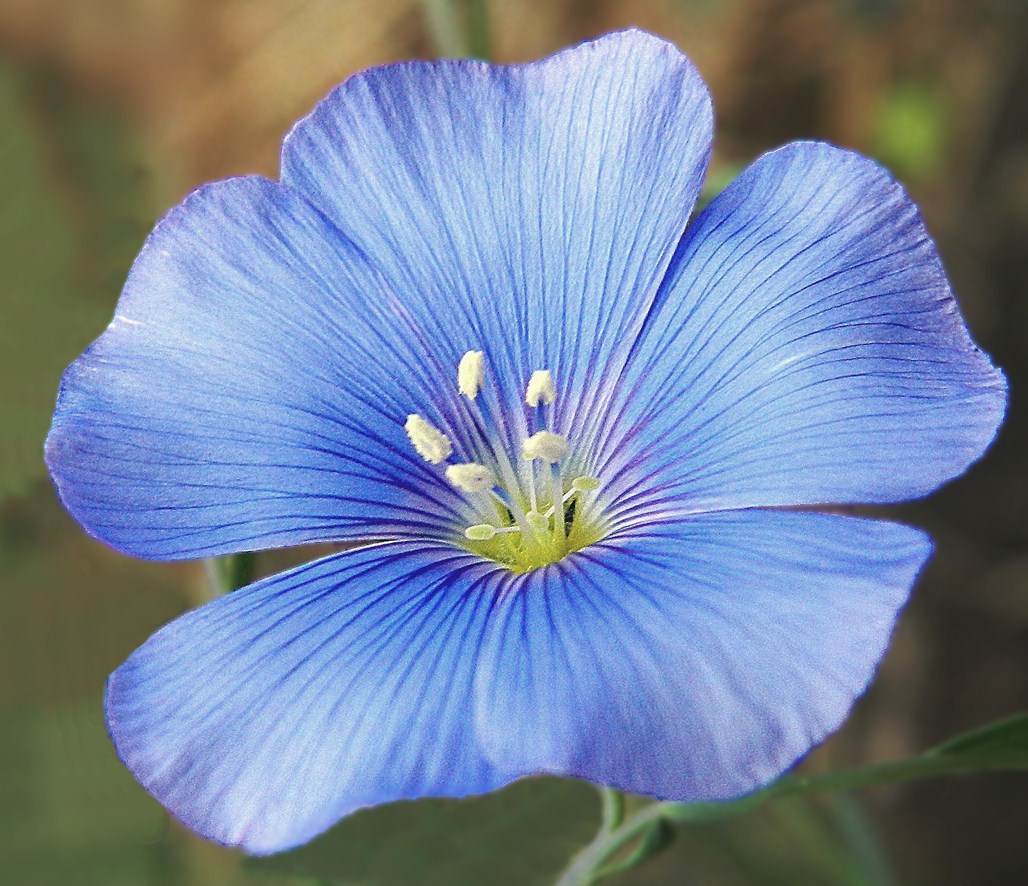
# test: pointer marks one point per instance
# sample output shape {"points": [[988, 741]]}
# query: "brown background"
{"points": [[112, 110]]}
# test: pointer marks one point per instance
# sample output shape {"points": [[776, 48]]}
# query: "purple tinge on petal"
{"points": [[805, 349], [529, 211], [250, 391], [693, 660]]}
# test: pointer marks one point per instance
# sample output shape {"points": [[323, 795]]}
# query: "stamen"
{"points": [[532, 516], [556, 495], [539, 522], [532, 500], [507, 476], [471, 477], [470, 373], [540, 388], [510, 506], [578, 485], [486, 531], [429, 442], [545, 445]]}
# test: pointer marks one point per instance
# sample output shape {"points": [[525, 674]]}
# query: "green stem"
{"points": [[479, 39], [226, 574], [619, 844], [587, 866], [613, 808], [930, 765], [861, 841], [445, 28], [458, 29]]}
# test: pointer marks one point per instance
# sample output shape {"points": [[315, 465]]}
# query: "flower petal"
{"points": [[262, 718], [539, 203], [805, 349], [250, 391], [693, 660]]}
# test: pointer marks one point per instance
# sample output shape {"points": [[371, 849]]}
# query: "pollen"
{"points": [[429, 442], [470, 373], [540, 388], [471, 477], [545, 446]]}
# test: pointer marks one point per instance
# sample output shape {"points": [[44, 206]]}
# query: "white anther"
{"points": [[470, 372], [545, 445], [480, 532], [585, 484], [429, 442], [540, 388], [471, 477], [486, 531]]}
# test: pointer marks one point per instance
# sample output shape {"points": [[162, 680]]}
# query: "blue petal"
{"points": [[805, 349], [250, 392], [528, 210], [693, 660], [265, 716]]}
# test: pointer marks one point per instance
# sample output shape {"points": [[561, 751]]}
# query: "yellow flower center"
{"points": [[529, 518]]}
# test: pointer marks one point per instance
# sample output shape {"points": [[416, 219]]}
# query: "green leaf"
{"points": [[519, 836], [1000, 746]]}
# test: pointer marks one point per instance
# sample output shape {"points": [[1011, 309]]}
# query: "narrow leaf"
{"points": [[999, 746]]}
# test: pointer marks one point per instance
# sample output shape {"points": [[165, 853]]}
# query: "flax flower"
{"points": [[589, 448]]}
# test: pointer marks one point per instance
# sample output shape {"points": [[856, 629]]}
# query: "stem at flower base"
{"points": [[613, 808], [226, 574], [595, 861]]}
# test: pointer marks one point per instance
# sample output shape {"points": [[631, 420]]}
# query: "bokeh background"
{"points": [[112, 110]]}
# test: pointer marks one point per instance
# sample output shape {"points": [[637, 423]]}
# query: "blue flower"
{"points": [[588, 450]]}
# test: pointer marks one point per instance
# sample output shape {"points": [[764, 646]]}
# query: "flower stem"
{"points": [[226, 574], [861, 840], [998, 747], [613, 808], [592, 863], [479, 39]]}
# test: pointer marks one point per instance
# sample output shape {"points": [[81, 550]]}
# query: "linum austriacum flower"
{"points": [[586, 445]]}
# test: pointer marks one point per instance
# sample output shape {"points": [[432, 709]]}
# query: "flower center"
{"points": [[526, 512]]}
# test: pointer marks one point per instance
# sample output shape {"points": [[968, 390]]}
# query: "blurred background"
{"points": [[112, 110]]}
